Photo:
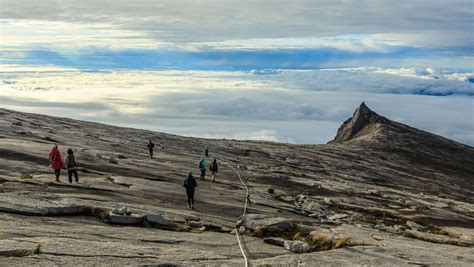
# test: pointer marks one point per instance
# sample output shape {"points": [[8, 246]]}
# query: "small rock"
{"points": [[26, 176], [123, 210], [113, 160], [327, 200], [313, 206], [296, 246], [277, 241], [225, 230], [418, 227], [377, 237], [17, 123], [338, 216]]}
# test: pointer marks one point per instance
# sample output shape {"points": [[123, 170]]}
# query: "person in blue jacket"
{"points": [[202, 167]]}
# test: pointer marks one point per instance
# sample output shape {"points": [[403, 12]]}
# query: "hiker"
{"points": [[150, 146], [55, 161], [190, 184], [71, 166], [213, 169], [206, 152], [202, 167]]}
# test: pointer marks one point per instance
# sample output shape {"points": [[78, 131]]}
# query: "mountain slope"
{"points": [[380, 174]]}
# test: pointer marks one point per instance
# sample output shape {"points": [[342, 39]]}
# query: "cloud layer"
{"points": [[216, 20], [278, 105], [231, 35]]}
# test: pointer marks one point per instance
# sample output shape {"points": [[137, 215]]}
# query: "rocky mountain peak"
{"points": [[352, 127]]}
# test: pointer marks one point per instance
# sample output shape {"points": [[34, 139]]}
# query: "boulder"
{"points": [[277, 241], [133, 219], [157, 219], [262, 225], [297, 246]]}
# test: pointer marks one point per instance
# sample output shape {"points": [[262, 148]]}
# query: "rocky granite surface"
{"points": [[380, 193]]}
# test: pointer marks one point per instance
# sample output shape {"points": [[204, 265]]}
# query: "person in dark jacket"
{"points": [[213, 168], [190, 183], [150, 146], [71, 166], [55, 161], [206, 152]]}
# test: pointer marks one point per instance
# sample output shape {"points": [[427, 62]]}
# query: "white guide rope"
{"points": [[245, 211]]}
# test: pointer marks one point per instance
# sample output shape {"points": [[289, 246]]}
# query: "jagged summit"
{"points": [[352, 127]]}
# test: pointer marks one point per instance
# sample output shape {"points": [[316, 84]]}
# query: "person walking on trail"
{"points": [[190, 183], [202, 167], [71, 166], [206, 152], [213, 168], [55, 161], [150, 146]]}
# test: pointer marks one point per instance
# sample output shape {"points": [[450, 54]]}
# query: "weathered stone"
{"points": [[264, 225], [313, 206], [121, 211], [277, 241], [37, 203], [297, 246], [113, 160], [133, 219], [327, 201], [418, 227], [225, 229], [338, 216], [156, 219]]}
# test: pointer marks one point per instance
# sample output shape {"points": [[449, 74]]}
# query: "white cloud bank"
{"points": [[277, 105]]}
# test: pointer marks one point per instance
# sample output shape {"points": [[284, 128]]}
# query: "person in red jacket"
{"points": [[55, 161]]}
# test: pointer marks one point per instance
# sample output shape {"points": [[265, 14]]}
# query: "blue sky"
{"points": [[254, 56]]}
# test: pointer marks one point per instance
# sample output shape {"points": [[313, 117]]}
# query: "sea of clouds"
{"points": [[294, 106]]}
